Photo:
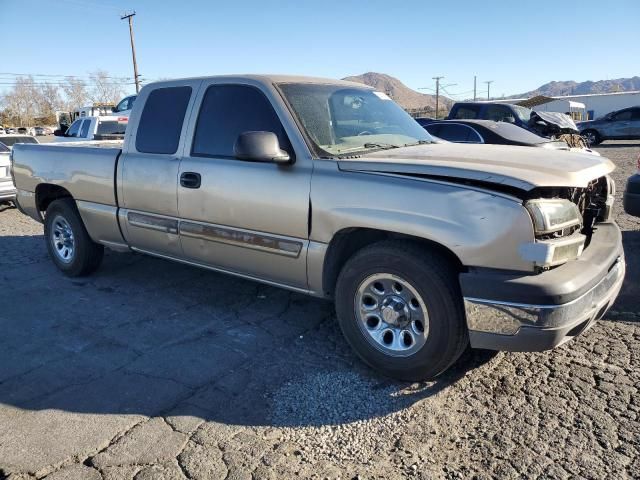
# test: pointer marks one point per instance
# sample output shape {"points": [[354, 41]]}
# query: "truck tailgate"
{"points": [[86, 170]]}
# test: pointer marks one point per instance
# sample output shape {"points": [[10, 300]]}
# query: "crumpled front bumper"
{"points": [[538, 312]]}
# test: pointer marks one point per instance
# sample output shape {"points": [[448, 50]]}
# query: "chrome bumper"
{"points": [[525, 327]]}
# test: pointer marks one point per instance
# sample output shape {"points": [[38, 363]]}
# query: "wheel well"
{"points": [[347, 242], [47, 193]]}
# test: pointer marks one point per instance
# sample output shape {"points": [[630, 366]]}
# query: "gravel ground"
{"points": [[151, 370]]}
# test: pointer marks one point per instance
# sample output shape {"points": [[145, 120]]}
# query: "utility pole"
{"points": [[136, 77], [489, 82], [475, 77], [437, 79]]}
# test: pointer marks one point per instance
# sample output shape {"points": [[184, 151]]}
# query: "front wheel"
{"points": [[400, 308], [68, 242], [592, 137]]}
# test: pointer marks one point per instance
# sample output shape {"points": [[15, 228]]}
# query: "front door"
{"points": [[148, 170], [620, 125], [241, 216]]}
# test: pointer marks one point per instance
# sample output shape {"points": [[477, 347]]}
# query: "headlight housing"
{"points": [[552, 215]]}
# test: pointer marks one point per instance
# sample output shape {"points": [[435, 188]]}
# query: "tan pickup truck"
{"points": [[329, 188]]}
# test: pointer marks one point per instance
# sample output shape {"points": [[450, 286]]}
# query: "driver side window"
{"points": [[74, 129], [622, 116]]}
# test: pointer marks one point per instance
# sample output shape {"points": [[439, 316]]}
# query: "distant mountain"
{"points": [[554, 89], [399, 92]]}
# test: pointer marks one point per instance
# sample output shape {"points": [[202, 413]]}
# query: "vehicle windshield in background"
{"points": [[347, 121], [524, 114], [9, 140], [111, 128]]}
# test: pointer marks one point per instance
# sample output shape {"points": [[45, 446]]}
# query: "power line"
{"points": [[58, 76]]}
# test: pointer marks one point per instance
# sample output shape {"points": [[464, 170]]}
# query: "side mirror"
{"points": [[260, 147], [114, 109], [59, 133]]}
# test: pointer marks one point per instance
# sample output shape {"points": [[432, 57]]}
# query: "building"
{"points": [[580, 107]]}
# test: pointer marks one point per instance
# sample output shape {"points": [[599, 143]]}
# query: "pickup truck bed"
{"points": [[58, 164]]}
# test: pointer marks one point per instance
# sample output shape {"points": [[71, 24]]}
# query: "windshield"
{"points": [[347, 121], [9, 141], [523, 113], [3, 147]]}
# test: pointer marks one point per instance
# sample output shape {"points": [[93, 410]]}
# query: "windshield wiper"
{"points": [[419, 142], [384, 146]]}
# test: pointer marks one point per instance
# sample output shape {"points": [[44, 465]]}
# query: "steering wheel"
{"points": [[365, 132]]}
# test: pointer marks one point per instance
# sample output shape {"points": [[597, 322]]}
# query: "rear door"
{"points": [[241, 216], [148, 169]]}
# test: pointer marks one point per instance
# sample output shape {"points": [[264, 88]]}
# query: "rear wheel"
{"points": [[592, 137], [68, 242], [400, 308]]}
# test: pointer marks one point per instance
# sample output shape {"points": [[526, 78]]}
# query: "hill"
{"points": [[570, 87], [406, 97]]}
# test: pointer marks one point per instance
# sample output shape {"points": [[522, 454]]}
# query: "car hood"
{"points": [[518, 167]]}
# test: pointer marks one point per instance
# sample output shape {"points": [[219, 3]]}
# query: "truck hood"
{"points": [[524, 168]]}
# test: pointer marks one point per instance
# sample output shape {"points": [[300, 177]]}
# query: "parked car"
{"points": [[87, 128], [631, 198], [10, 140], [329, 188], [425, 120], [7, 189], [498, 112], [123, 109], [10, 130], [2, 131], [26, 131], [619, 125], [488, 131], [42, 131], [494, 133]]}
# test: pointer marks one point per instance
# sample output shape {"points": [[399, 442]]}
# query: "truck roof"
{"points": [[268, 79]]}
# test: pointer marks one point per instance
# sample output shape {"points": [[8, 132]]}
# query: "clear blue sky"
{"points": [[516, 44]]}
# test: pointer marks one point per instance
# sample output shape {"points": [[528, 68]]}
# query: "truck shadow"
{"points": [[150, 337]]}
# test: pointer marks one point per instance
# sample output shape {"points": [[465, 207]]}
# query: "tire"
{"points": [[592, 137], [68, 242], [425, 277]]}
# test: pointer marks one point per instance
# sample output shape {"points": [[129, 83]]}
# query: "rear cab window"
{"points": [[111, 127], [467, 112], [162, 119]]}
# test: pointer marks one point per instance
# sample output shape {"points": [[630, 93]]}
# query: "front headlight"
{"points": [[551, 215]]}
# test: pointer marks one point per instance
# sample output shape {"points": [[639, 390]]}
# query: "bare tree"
{"points": [[105, 89], [48, 101], [76, 93], [20, 103]]}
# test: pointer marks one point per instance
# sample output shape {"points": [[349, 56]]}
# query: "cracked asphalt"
{"points": [[154, 370]]}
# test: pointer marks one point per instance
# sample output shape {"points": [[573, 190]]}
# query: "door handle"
{"points": [[190, 180]]}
